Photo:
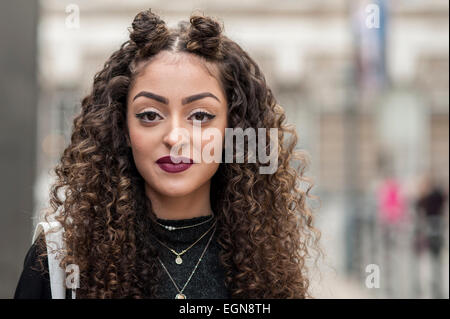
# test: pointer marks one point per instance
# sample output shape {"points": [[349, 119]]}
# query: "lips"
{"points": [[166, 164], [180, 160]]}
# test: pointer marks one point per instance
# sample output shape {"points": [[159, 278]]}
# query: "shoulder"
{"points": [[34, 281]]}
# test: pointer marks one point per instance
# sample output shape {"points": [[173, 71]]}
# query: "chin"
{"points": [[176, 192], [175, 188]]}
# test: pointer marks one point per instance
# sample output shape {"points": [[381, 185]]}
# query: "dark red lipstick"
{"points": [[166, 164]]}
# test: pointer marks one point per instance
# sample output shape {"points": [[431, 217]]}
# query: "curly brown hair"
{"points": [[265, 227]]}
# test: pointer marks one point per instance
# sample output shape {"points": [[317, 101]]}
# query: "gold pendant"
{"points": [[178, 260], [180, 296]]}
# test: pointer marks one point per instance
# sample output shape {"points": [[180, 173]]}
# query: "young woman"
{"points": [[139, 224]]}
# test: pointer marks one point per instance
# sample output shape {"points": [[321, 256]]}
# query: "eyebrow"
{"points": [[184, 101]]}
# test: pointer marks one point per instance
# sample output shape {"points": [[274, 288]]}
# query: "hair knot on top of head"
{"points": [[204, 37], [149, 33]]}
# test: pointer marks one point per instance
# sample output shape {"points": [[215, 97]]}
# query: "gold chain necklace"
{"points": [[180, 294], [178, 259]]}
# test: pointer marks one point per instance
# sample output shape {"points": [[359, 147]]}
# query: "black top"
{"points": [[34, 283], [206, 282]]}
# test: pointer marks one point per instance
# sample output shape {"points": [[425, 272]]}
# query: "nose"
{"points": [[176, 135]]}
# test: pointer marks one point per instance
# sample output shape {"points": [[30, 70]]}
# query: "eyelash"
{"points": [[142, 115]]}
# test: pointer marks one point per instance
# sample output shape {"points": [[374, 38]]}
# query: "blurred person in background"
{"points": [[391, 209], [429, 230]]}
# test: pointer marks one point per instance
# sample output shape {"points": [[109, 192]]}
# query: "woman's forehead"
{"points": [[167, 67], [178, 59]]}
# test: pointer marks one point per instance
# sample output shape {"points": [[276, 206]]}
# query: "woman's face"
{"points": [[170, 92]]}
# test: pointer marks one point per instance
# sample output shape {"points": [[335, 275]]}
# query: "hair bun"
{"points": [[149, 32], [204, 36]]}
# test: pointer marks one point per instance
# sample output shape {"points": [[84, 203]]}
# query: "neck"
{"points": [[195, 204]]}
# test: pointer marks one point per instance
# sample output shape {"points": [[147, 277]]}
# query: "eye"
{"points": [[201, 116], [148, 116]]}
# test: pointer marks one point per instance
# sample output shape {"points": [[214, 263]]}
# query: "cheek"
{"points": [[137, 139], [203, 173], [142, 143], [214, 141]]}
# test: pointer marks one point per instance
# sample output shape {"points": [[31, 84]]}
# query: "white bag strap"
{"points": [[54, 242]]}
